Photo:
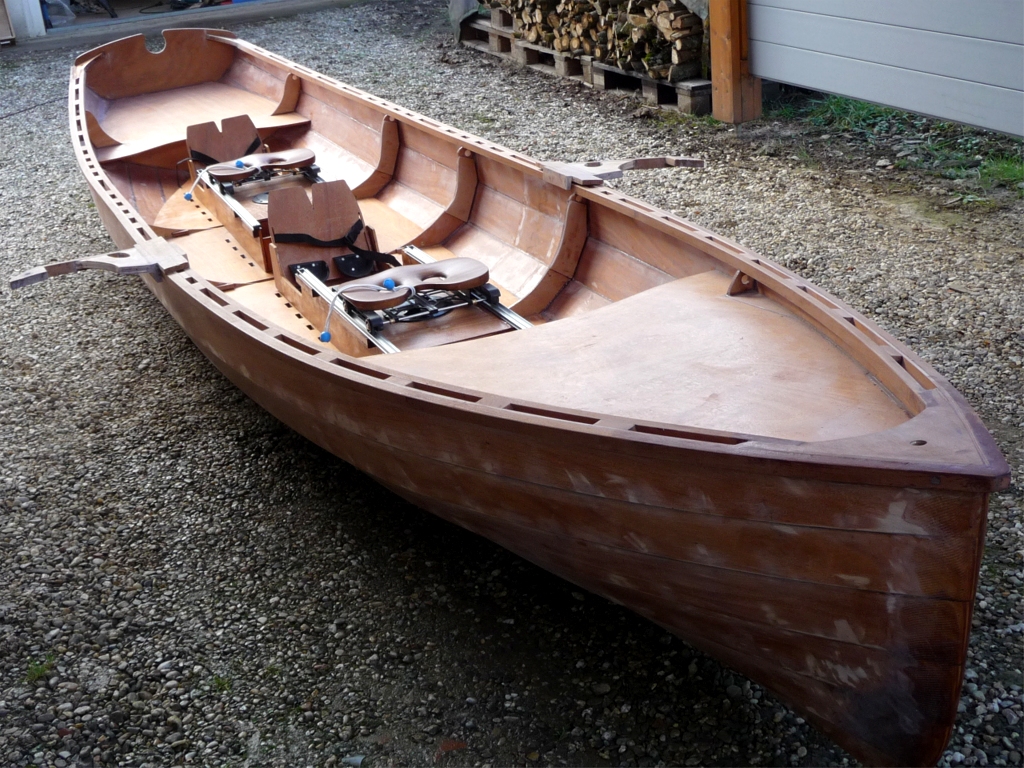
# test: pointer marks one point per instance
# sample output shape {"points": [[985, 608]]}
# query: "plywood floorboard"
{"points": [[217, 256], [178, 214]]}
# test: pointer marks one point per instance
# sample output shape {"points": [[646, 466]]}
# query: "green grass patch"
{"points": [[222, 684], [38, 670], [1003, 171], [962, 153], [951, 150], [782, 110], [671, 117], [839, 113]]}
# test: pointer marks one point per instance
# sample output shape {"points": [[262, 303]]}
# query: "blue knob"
{"points": [[188, 196], [325, 336], [239, 164], [389, 283]]}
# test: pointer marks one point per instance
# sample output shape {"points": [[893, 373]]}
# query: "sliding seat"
{"points": [[326, 266]]}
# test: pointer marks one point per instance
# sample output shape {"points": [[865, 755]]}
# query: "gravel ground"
{"points": [[185, 581]]}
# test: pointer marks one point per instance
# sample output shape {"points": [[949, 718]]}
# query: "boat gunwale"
{"points": [[764, 454]]}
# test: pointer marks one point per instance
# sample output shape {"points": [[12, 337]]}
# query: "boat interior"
{"points": [[320, 209]]}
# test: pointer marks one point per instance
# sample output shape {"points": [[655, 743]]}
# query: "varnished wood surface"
{"points": [[684, 354], [126, 68], [150, 190], [471, 323], [394, 228], [220, 258], [148, 121], [265, 303], [168, 113], [324, 211], [773, 478], [180, 215], [231, 139]]}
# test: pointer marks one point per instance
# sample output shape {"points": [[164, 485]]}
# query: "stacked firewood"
{"points": [[658, 38]]}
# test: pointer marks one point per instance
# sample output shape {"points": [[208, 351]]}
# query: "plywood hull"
{"points": [[862, 628], [840, 573]]}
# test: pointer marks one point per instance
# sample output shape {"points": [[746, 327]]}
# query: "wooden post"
{"points": [[735, 93]]}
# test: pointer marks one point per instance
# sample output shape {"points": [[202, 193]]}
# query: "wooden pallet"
{"points": [[496, 35], [546, 60], [490, 35], [691, 96]]}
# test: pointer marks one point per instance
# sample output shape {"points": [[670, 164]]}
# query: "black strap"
{"points": [[348, 241], [205, 159]]}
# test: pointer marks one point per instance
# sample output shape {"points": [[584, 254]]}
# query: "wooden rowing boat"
{"points": [[630, 401]]}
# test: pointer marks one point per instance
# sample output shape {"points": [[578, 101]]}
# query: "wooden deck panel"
{"points": [[147, 122], [163, 116], [695, 357]]}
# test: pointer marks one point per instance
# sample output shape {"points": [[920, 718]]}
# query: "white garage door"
{"points": [[959, 60]]}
